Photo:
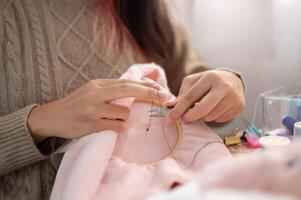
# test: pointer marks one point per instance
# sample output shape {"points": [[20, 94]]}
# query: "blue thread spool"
{"points": [[297, 129], [289, 122]]}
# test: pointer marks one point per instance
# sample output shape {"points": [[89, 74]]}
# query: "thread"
{"points": [[289, 122]]}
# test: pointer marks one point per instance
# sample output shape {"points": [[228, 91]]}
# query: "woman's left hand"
{"points": [[213, 95]]}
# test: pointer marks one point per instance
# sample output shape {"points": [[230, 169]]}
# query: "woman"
{"points": [[60, 60]]}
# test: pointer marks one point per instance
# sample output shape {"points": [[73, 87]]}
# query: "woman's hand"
{"points": [[88, 109], [209, 96]]}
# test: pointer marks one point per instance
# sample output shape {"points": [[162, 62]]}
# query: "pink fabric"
{"points": [[133, 164], [273, 171]]}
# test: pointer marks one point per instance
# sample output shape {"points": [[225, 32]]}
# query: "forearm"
{"points": [[17, 148]]}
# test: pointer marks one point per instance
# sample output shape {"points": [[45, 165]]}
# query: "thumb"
{"points": [[187, 83]]}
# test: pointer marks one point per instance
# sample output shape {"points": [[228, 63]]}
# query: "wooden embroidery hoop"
{"points": [[178, 125]]}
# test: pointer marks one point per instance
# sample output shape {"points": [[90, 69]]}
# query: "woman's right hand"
{"points": [[89, 109]]}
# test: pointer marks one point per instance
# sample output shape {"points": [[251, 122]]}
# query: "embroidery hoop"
{"points": [[177, 122]]}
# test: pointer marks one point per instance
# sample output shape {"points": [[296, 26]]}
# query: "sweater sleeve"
{"points": [[17, 148]]}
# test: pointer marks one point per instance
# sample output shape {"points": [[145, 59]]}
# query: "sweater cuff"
{"points": [[238, 74], [17, 148]]}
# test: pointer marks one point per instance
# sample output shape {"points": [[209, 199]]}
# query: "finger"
{"points": [[184, 103], [108, 82], [238, 106], [114, 125], [207, 104], [219, 110], [171, 103], [186, 84], [113, 111], [119, 91], [230, 114], [157, 85]]}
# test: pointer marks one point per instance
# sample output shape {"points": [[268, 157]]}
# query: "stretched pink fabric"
{"points": [[134, 164]]}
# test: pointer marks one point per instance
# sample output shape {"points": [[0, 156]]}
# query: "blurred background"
{"points": [[260, 38]]}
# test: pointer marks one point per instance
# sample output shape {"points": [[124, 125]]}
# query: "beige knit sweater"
{"points": [[47, 50]]}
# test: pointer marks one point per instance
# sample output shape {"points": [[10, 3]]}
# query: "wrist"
{"points": [[34, 125]]}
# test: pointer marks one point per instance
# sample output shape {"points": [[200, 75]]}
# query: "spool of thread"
{"points": [[289, 122], [297, 129]]}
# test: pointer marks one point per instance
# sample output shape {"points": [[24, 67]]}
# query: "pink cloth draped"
{"points": [[273, 171], [133, 164]]}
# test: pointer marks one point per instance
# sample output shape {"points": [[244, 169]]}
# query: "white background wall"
{"points": [[261, 38]]}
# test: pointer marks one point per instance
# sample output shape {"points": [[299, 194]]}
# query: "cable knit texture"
{"points": [[47, 50]]}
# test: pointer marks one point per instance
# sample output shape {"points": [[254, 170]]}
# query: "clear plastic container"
{"points": [[275, 105]]}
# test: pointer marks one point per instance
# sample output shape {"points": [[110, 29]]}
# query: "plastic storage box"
{"points": [[278, 110]]}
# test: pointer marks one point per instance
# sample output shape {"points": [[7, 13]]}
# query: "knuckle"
{"points": [[148, 92], [214, 75], [152, 92], [227, 87], [187, 79]]}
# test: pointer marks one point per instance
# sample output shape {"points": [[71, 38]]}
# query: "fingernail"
{"points": [[171, 103]]}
